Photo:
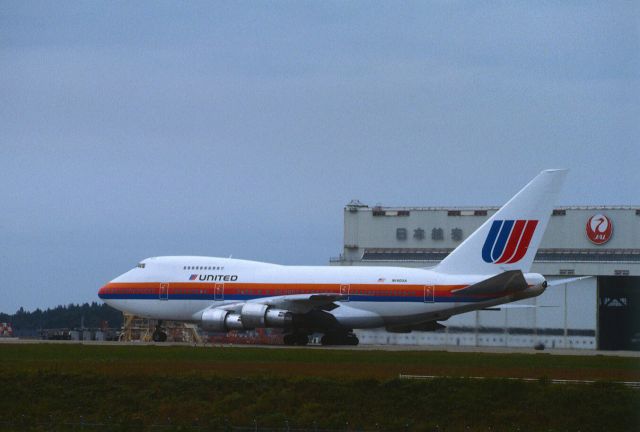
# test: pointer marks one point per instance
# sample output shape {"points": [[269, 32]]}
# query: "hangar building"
{"points": [[601, 312]]}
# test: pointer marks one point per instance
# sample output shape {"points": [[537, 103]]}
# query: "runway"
{"points": [[399, 348]]}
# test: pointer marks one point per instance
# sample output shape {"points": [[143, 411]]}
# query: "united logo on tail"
{"points": [[508, 241]]}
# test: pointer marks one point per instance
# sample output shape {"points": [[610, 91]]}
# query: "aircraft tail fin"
{"points": [[509, 239]]}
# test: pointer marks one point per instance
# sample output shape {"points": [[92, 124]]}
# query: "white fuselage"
{"points": [[181, 288], [488, 268]]}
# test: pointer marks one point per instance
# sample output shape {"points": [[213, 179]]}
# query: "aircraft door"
{"points": [[164, 291], [429, 293], [218, 291], [344, 290]]}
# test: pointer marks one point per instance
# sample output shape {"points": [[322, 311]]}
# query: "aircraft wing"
{"points": [[509, 281], [301, 303], [294, 303]]}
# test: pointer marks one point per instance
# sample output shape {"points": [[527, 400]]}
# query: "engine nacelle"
{"points": [[256, 315], [220, 320], [233, 322], [252, 315]]}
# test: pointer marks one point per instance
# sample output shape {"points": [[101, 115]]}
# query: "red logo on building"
{"points": [[599, 229]]}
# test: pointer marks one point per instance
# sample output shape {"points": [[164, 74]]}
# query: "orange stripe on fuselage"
{"points": [[277, 289]]}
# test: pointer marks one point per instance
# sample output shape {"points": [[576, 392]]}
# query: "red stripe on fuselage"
{"points": [[274, 289]]}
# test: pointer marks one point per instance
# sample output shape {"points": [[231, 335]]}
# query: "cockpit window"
{"points": [[141, 265]]}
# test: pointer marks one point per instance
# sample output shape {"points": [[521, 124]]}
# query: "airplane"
{"points": [[488, 269]]}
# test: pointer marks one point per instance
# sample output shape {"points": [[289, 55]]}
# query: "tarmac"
{"points": [[461, 349]]}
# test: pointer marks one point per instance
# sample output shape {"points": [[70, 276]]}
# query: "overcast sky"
{"points": [[136, 129]]}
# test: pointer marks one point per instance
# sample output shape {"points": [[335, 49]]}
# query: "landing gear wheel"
{"points": [[352, 339], [289, 339], [339, 339], [300, 339]]}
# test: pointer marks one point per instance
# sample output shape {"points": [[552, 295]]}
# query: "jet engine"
{"points": [[256, 315], [220, 320], [252, 315]]}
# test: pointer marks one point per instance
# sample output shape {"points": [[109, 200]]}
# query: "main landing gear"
{"points": [[339, 338], [299, 339]]}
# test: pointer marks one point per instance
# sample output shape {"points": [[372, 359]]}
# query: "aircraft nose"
{"points": [[103, 291]]}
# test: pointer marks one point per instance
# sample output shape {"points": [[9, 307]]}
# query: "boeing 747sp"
{"points": [[490, 268]]}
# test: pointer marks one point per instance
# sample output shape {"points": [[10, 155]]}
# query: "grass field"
{"points": [[184, 388]]}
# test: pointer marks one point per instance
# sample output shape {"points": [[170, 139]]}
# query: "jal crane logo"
{"points": [[508, 241], [599, 229]]}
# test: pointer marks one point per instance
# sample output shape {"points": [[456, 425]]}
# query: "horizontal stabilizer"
{"points": [[566, 281], [509, 281]]}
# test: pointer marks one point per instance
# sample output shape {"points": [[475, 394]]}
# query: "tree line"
{"points": [[71, 316]]}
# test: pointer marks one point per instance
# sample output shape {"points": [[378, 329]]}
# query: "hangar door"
{"points": [[619, 313]]}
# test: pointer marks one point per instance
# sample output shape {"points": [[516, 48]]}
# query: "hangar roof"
{"points": [[421, 236]]}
